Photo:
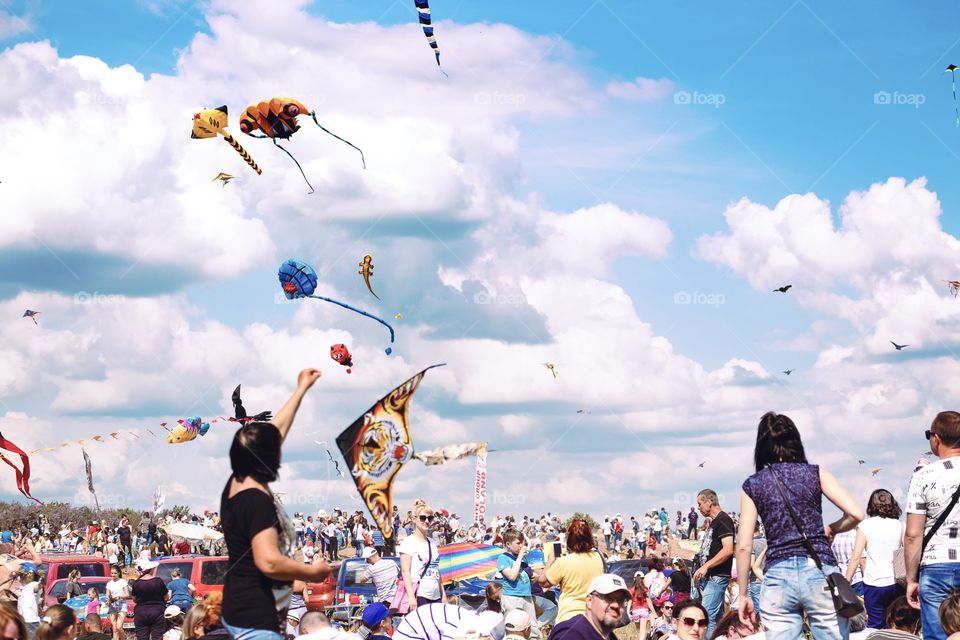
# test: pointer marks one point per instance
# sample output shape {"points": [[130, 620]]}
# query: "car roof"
{"points": [[87, 579], [71, 557]]}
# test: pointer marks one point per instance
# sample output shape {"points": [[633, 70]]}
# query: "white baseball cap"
{"points": [[607, 583], [516, 620], [368, 551]]}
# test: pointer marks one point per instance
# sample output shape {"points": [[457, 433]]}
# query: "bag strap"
{"points": [[796, 520], [943, 518], [429, 558]]}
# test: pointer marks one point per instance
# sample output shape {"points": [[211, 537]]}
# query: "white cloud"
{"points": [[641, 89], [13, 25]]}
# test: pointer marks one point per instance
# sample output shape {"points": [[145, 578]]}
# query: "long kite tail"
{"points": [[956, 109], [23, 477], [313, 114], [296, 163], [243, 153], [388, 350]]}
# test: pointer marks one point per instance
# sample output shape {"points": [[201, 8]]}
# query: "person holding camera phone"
{"points": [[517, 575]]}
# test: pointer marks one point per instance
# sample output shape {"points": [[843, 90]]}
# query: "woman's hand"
{"points": [[307, 377]]}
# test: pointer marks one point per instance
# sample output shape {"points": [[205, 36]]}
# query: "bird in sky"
{"points": [[789, 371], [782, 289], [899, 347]]}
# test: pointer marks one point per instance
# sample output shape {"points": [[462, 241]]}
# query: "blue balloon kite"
{"points": [[299, 280]]}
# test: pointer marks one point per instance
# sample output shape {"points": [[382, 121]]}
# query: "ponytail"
{"points": [[55, 622]]}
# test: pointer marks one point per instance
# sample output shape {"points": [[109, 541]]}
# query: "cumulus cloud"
{"points": [[13, 25]]}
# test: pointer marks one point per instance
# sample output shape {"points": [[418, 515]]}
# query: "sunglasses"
{"points": [[427, 518], [700, 622], [613, 599], [668, 606]]}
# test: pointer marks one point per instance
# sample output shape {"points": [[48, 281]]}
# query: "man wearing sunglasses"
{"points": [[931, 544], [607, 600]]}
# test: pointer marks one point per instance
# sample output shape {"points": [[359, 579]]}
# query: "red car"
{"points": [[319, 595], [204, 572], [59, 589], [56, 567]]}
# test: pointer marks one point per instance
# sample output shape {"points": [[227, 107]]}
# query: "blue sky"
{"points": [[766, 99]]}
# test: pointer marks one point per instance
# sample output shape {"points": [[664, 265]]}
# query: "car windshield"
{"points": [[85, 568]]}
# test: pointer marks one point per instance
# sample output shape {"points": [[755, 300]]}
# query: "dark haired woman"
{"points": [[574, 571], [880, 535], [257, 531], [793, 584]]}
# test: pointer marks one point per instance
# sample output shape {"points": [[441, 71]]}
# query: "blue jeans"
{"points": [[753, 588], [936, 581], [712, 591], [242, 633], [796, 586], [876, 600]]}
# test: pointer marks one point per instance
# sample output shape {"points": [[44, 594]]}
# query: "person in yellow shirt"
{"points": [[574, 572]]}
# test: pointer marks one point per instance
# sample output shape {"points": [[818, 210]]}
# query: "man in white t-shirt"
{"points": [[933, 571], [606, 529]]}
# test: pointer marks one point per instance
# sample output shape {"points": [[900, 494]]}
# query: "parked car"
{"points": [[319, 596], [59, 589], [58, 567], [351, 595], [204, 572]]}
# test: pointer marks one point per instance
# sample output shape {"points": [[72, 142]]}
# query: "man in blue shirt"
{"points": [[181, 591]]}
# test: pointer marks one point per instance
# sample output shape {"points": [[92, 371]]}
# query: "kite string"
{"points": [[296, 163], [313, 114]]}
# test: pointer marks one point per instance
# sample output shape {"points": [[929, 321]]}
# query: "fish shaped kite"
{"points": [[210, 122], [366, 270], [23, 471], [443, 455], [376, 445], [224, 178], [299, 280], [951, 69], [341, 355], [426, 21], [187, 430], [277, 118], [32, 315]]}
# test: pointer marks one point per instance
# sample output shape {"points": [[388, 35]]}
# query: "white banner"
{"points": [[158, 500], [480, 487]]}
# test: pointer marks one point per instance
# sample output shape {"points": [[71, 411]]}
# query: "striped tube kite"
{"points": [[443, 455], [209, 122], [376, 445], [463, 560], [426, 21]]}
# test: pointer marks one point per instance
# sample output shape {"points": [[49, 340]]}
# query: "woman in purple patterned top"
{"points": [[793, 585]]}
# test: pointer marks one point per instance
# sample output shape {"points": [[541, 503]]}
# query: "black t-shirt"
{"points": [[149, 591], [680, 582], [577, 628], [248, 595], [124, 534], [720, 528]]}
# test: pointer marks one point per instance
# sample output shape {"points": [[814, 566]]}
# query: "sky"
{"points": [[613, 187]]}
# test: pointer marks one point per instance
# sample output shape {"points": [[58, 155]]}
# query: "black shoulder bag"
{"points": [[845, 599], [943, 518]]}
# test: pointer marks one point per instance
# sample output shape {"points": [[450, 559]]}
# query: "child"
{"points": [[308, 551], [93, 606]]}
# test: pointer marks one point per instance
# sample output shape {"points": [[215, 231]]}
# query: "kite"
{"points": [[299, 280], [366, 270], [861, 462], [442, 455], [330, 455], [953, 81], [134, 434], [954, 286], [551, 367], [376, 445], [32, 315], [398, 316], [423, 11], [22, 472], [277, 118], [701, 464], [341, 355], [210, 122], [240, 414], [187, 430], [98, 438], [463, 560], [899, 347], [783, 289], [114, 434], [224, 178], [788, 371], [89, 468], [874, 472]]}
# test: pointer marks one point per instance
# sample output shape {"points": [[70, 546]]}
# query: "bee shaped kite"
{"points": [[277, 118], [209, 122]]}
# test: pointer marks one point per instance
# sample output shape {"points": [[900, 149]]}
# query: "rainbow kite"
{"points": [[464, 560]]}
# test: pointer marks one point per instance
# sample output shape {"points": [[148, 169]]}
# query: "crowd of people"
{"points": [[773, 569]]}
